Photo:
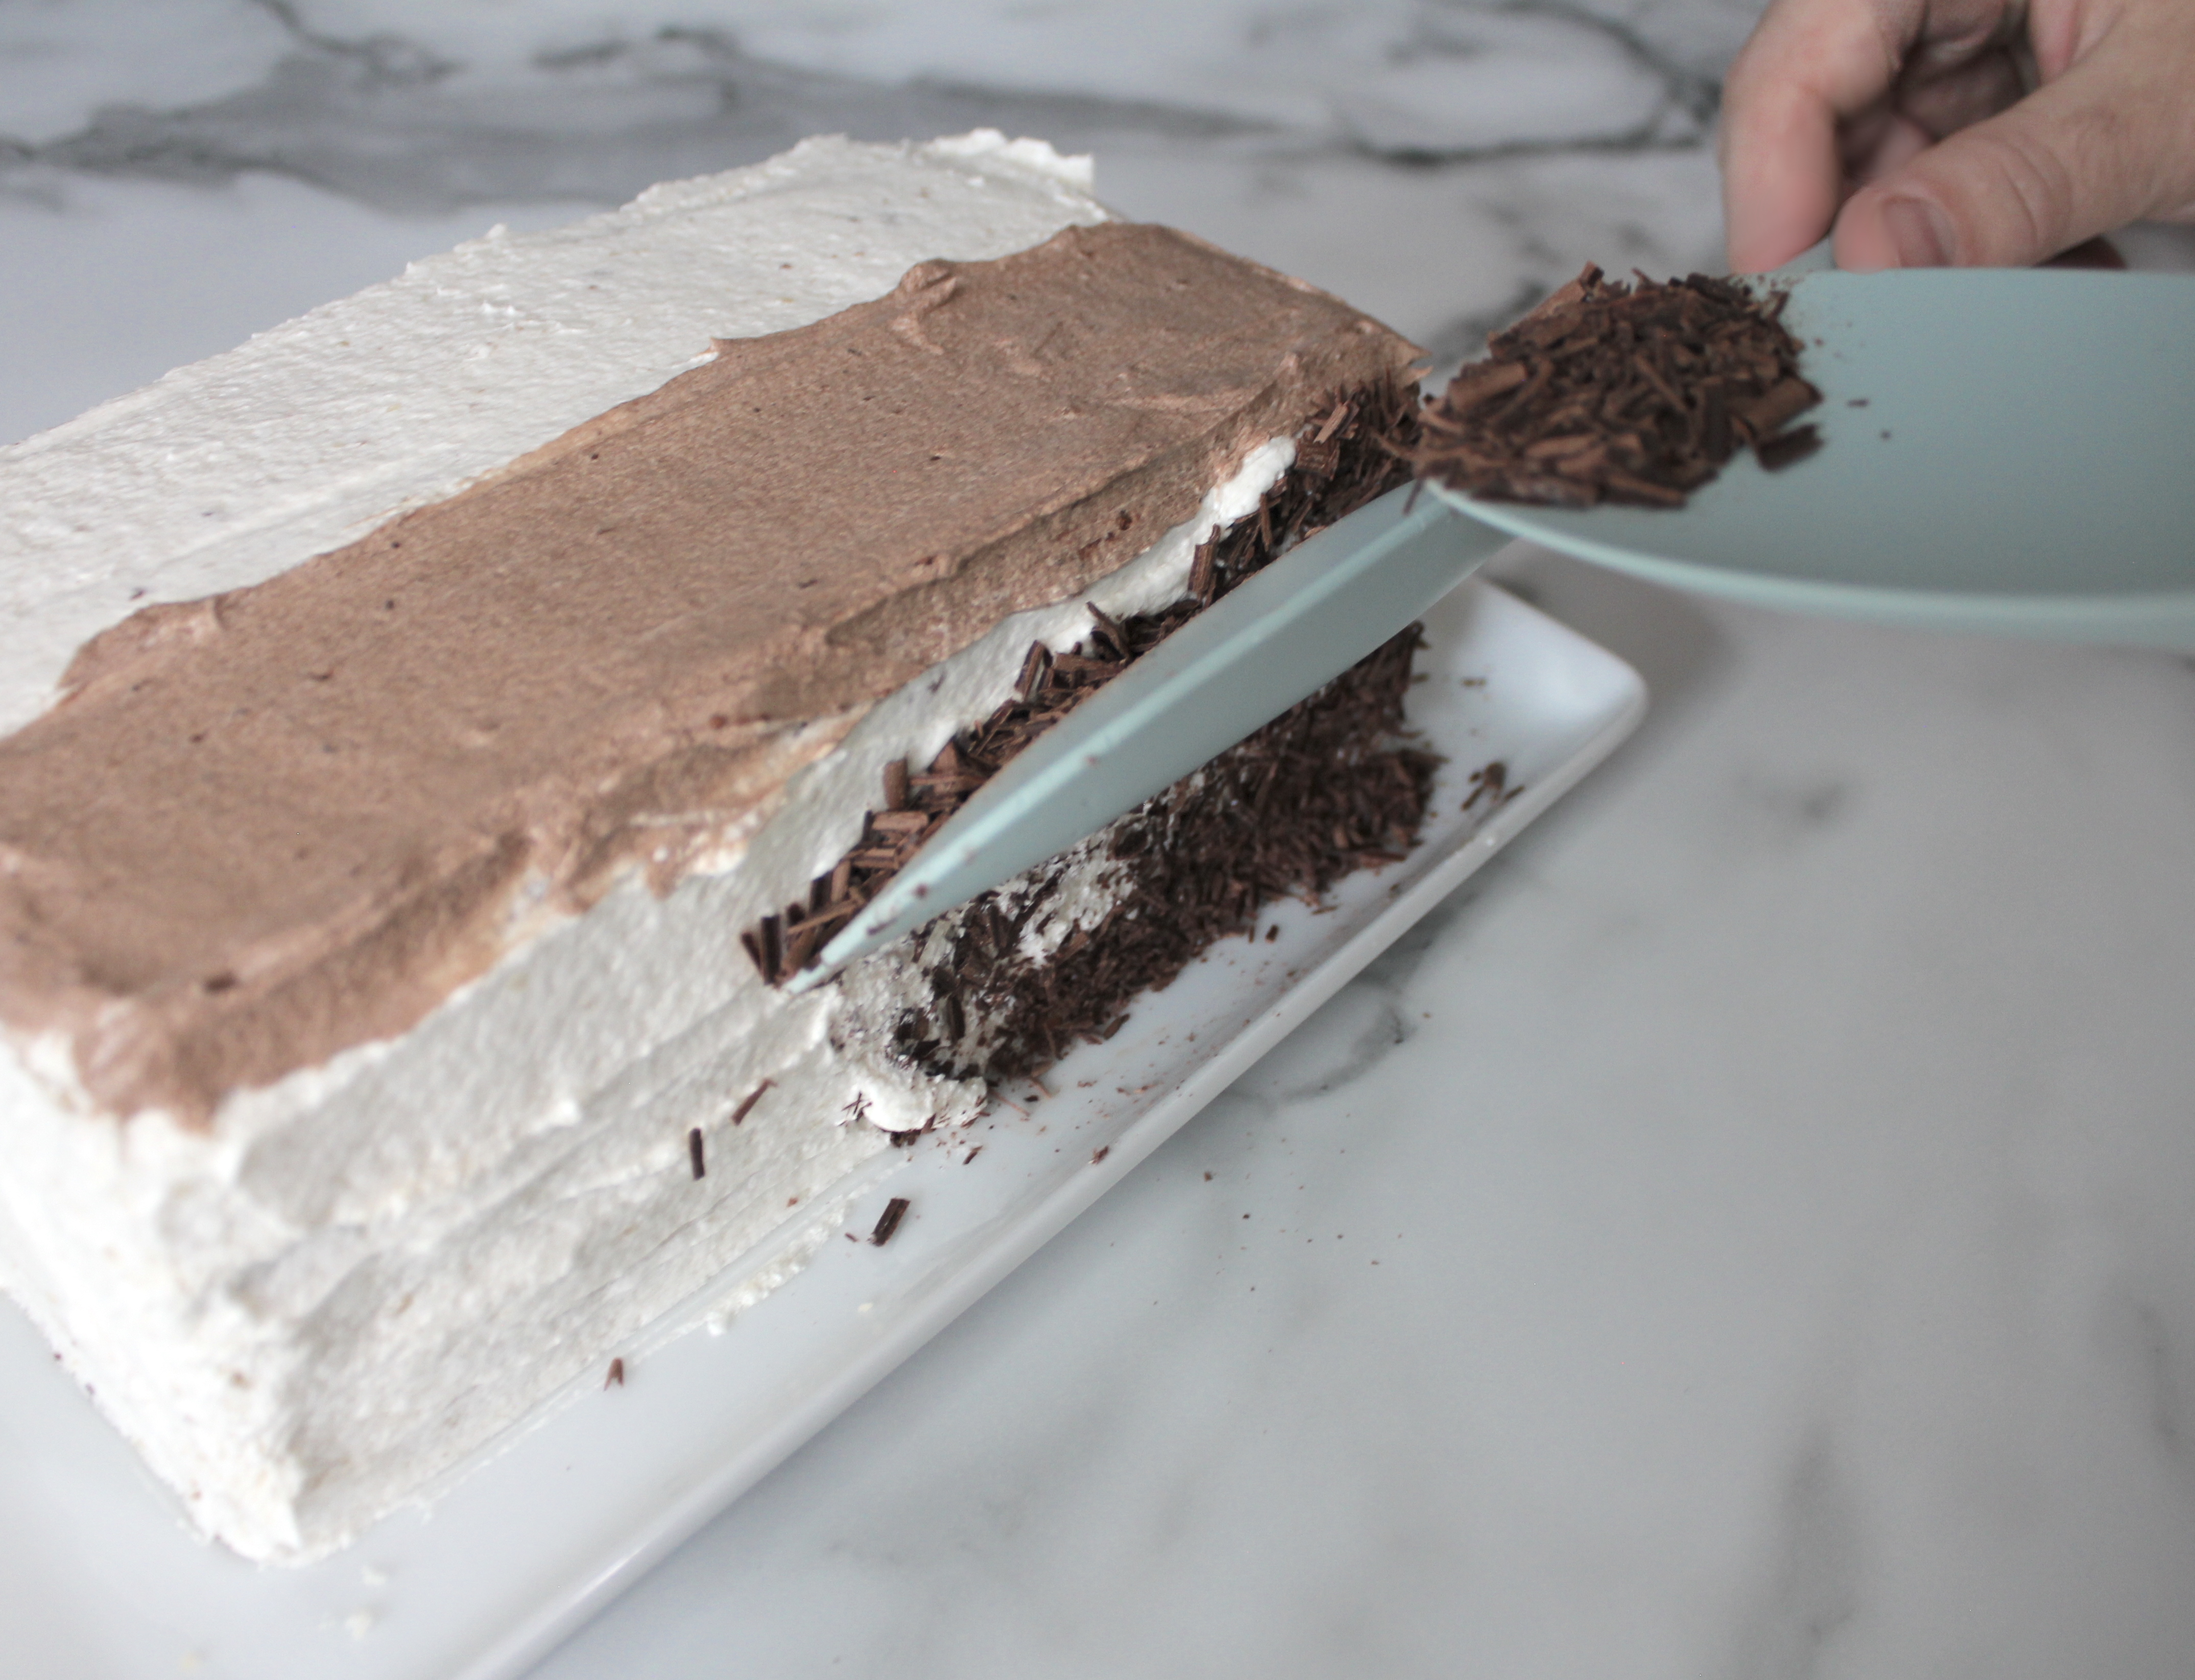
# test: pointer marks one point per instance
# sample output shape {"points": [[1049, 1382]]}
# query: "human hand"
{"points": [[1934, 132]]}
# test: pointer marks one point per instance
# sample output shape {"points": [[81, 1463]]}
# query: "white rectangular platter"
{"points": [[100, 1580]]}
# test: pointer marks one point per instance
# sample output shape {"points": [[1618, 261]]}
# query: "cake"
{"points": [[434, 728]]}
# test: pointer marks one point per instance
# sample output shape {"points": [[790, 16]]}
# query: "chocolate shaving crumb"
{"points": [[747, 1103], [1490, 782], [1109, 631], [888, 1221], [616, 1378], [1099, 1154], [802, 945], [1779, 452], [693, 1152], [765, 946], [1610, 392], [1034, 668], [1203, 575], [1318, 459]]}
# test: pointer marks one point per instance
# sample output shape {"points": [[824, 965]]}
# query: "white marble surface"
{"points": [[1748, 1234]]}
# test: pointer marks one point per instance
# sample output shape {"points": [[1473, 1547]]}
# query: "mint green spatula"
{"points": [[2005, 450]]}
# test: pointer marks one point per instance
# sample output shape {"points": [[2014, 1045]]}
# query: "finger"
{"points": [[1946, 99], [2106, 144], [1882, 147], [1809, 64]]}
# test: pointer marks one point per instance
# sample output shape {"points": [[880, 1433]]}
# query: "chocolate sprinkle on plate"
{"points": [[693, 1152], [888, 1221]]}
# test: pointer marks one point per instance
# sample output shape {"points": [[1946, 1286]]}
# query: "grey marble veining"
{"points": [[1405, 155], [393, 125], [404, 123], [1745, 1235]]}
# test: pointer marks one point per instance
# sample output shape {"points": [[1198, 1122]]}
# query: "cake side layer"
{"points": [[352, 786], [229, 471], [336, 1239], [352, 1274]]}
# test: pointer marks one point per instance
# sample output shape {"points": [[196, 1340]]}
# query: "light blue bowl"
{"points": [[2008, 451]]}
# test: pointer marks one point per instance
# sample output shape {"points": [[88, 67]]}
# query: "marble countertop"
{"points": [[1746, 1233]]}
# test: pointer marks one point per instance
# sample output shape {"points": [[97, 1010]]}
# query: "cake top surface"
{"points": [[312, 433], [276, 822]]}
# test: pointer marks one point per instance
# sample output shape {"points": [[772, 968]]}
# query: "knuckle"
{"points": [[2034, 199]]}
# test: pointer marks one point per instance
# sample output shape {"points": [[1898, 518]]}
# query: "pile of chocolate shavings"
{"points": [[1321, 790], [1350, 456], [1614, 393]]}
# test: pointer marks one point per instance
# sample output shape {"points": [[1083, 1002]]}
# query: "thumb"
{"points": [[2102, 146]]}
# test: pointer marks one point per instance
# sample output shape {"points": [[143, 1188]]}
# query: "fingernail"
{"points": [[1921, 233]]}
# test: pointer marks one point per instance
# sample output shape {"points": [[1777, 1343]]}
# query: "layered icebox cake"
{"points": [[430, 733]]}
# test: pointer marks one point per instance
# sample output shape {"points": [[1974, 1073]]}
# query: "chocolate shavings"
{"points": [[888, 1221], [1322, 790], [1613, 393]]}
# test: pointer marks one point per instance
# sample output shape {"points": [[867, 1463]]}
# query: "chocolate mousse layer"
{"points": [[265, 826]]}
